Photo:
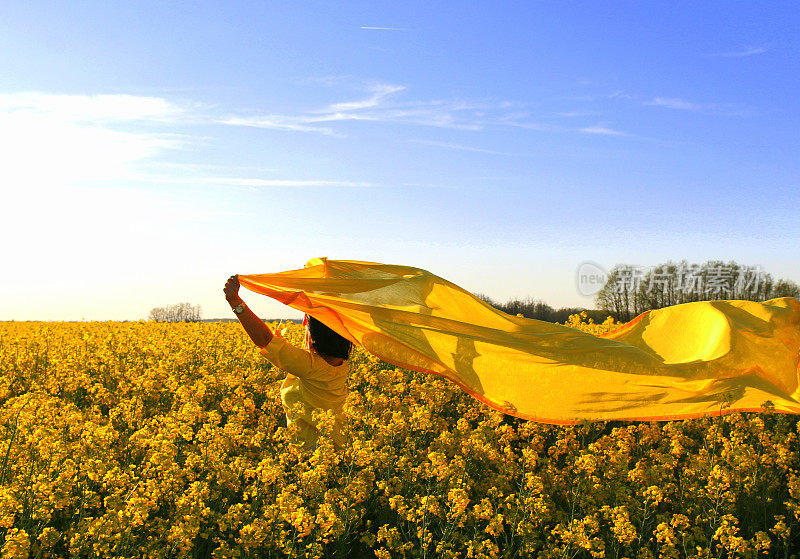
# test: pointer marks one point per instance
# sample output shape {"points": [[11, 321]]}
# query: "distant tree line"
{"points": [[627, 292], [180, 312], [632, 290], [539, 310]]}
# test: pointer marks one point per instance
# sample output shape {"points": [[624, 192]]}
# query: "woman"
{"points": [[316, 376]]}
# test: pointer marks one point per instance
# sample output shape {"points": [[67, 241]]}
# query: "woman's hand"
{"points": [[231, 290]]}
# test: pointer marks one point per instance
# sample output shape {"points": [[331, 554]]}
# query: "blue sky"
{"points": [[151, 149]]}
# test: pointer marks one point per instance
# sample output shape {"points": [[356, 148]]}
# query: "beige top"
{"points": [[312, 381]]}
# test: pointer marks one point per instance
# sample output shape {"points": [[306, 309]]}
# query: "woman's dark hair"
{"points": [[327, 342]]}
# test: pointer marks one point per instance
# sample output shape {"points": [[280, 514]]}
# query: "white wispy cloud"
{"points": [[744, 52], [378, 93], [333, 117], [388, 103], [460, 147], [381, 28], [382, 106], [371, 108], [674, 103], [383, 103], [257, 182], [521, 119], [50, 141], [722, 109], [620, 94], [602, 131], [465, 105], [573, 114], [278, 122], [528, 125], [433, 115], [599, 130]]}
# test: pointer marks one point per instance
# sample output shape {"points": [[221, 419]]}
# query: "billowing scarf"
{"points": [[688, 360]]}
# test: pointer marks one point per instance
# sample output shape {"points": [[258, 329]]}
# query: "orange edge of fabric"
{"points": [[550, 421], [623, 327]]}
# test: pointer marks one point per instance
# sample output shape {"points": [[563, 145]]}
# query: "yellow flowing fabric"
{"points": [[688, 360]]}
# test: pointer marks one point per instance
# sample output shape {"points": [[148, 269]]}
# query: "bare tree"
{"points": [[630, 290], [785, 288], [180, 312]]}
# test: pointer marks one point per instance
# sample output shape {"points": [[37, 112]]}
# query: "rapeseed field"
{"points": [[168, 440]]}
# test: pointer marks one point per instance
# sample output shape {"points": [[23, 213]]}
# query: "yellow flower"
{"points": [[17, 544]]}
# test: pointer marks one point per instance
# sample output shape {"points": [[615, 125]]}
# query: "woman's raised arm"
{"points": [[254, 326]]}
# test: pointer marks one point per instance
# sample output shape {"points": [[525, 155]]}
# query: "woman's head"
{"points": [[325, 341]]}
